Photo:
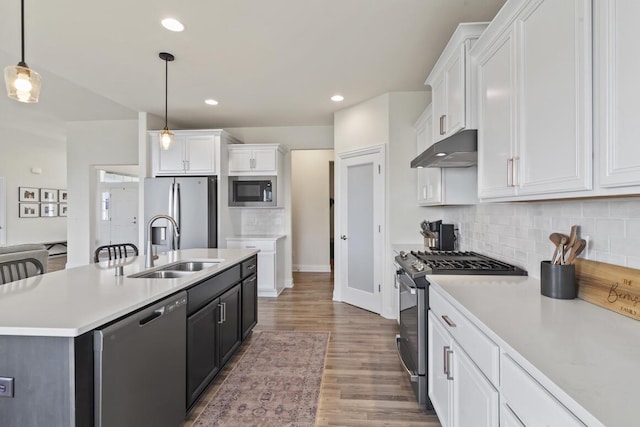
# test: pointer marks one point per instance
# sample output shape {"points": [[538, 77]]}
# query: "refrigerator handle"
{"points": [[177, 208], [172, 198]]}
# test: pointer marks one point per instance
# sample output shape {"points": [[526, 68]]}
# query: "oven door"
{"points": [[411, 341]]}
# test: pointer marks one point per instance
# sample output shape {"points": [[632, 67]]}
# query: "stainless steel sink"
{"points": [[176, 270], [190, 266], [163, 274]]}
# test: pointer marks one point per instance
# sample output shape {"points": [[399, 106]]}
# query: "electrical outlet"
{"points": [[6, 387], [587, 249]]}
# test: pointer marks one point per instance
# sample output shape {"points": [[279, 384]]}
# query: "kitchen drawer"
{"points": [[205, 291], [263, 245], [249, 266], [482, 351], [531, 402]]}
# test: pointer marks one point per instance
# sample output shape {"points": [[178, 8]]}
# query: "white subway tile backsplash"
{"points": [[519, 232]]}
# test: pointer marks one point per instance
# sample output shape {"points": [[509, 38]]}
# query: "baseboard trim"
{"points": [[310, 268]]}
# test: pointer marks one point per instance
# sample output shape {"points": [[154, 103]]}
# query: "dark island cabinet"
{"points": [[222, 313], [249, 295]]}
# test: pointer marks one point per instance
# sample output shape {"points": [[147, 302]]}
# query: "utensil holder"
{"points": [[558, 281]]}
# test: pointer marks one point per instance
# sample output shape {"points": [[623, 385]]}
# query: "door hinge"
{"points": [[379, 229], [379, 169], [379, 288]]}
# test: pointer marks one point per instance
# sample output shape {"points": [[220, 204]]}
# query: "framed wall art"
{"points": [[48, 209], [48, 195], [62, 196], [29, 210], [28, 194], [62, 209]]}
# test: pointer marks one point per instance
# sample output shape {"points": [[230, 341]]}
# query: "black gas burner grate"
{"points": [[464, 262]]}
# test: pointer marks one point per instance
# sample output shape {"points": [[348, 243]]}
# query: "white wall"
{"points": [[92, 143], [310, 208], [387, 119], [31, 139], [292, 137]]}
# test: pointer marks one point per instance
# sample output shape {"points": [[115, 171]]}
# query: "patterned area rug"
{"points": [[276, 383]]}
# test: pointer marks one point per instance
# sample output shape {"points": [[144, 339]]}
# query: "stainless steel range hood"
{"points": [[457, 151]]}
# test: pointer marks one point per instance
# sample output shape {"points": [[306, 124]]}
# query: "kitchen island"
{"points": [[47, 324], [576, 355]]}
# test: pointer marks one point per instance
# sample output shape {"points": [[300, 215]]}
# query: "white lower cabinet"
{"points": [[270, 262], [530, 402], [460, 393], [474, 382]]}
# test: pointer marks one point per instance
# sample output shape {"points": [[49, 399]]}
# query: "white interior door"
{"points": [[361, 243], [123, 215]]}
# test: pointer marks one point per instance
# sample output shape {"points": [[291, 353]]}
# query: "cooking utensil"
{"points": [[555, 238], [560, 249], [573, 236], [576, 250]]}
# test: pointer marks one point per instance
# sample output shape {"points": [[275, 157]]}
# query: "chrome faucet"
{"points": [[148, 260]]}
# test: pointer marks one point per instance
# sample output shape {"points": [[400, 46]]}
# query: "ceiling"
{"points": [[267, 62]]}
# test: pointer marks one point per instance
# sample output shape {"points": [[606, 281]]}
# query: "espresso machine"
{"points": [[438, 236]]}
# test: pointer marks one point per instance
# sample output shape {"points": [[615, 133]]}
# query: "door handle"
{"points": [[343, 237]]}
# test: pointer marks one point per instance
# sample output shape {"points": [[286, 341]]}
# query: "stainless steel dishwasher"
{"points": [[140, 367]]}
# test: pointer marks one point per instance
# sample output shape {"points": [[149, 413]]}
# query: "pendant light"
{"points": [[23, 84], [166, 136]]}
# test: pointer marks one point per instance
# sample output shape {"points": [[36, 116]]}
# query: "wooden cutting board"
{"points": [[611, 286]]}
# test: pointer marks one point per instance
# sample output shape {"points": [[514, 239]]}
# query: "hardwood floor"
{"points": [[363, 384]]}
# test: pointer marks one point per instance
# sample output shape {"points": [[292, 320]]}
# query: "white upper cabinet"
{"points": [[441, 186], [534, 100], [254, 159], [429, 179], [451, 82], [616, 71], [191, 153], [496, 130]]}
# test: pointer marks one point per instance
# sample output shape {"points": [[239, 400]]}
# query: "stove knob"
{"points": [[418, 266], [403, 255]]}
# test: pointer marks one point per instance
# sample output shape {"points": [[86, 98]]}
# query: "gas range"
{"points": [[421, 263]]}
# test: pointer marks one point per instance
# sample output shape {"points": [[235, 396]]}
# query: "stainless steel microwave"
{"points": [[252, 191]]}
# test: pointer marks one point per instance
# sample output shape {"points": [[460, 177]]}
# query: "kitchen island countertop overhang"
{"points": [[71, 302]]}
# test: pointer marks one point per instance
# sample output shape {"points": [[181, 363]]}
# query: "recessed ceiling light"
{"points": [[441, 154], [172, 24], [337, 98], [211, 102]]}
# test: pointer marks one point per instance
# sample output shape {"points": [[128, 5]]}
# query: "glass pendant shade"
{"points": [[166, 138], [23, 84]]}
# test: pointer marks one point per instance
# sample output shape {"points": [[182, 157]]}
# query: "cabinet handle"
{"points": [[510, 172], [251, 267], [424, 191], [221, 321], [445, 361], [249, 247], [515, 166], [448, 321], [442, 118], [447, 354], [224, 312]]}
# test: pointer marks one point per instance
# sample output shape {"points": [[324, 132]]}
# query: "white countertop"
{"points": [[587, 356], [256, 237], [71, 302]]}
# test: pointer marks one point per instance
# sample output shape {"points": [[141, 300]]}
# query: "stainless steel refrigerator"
{"points": [[192, 202]]}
